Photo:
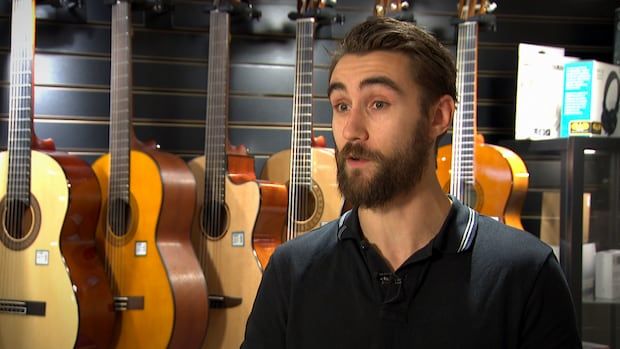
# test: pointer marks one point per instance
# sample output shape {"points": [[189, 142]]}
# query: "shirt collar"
{"points": [[455, 236]]}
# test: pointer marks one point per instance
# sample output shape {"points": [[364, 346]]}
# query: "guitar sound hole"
{"points": [[18, 219], [214, 219], [119, 217], [305, 203]]}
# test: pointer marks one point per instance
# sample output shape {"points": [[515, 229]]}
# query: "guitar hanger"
{"points": [[237, 9], [70, 5], [154, 6], [322, 11]]}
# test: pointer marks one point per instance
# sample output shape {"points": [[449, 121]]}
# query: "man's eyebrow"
{"points": [[374, 80], [335, 86], [382, 80]]}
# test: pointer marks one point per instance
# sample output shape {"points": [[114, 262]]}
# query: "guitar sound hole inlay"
{"points": [[20, 222]]}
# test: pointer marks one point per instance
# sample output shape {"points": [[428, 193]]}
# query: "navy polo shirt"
{"points": [[477, 284]]}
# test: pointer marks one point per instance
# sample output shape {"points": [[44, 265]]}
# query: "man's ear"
{"points": [[441, 117]]}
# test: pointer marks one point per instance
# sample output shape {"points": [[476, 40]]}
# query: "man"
{"points": [[409, 266]]}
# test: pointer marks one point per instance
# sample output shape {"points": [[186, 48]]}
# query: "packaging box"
{"points": [[607, 278], [540, 80], [591, 99]]}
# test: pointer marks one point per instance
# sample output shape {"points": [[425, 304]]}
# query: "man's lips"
{"points": [[355, 162]]}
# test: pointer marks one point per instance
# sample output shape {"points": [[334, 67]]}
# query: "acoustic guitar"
{"points": [[491, 179], [53, 287], [239, 221], [144, 227], [308, 167]]}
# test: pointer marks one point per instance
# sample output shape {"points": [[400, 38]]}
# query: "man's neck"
{"points": [[407, 223]]}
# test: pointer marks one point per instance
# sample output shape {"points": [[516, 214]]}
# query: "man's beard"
{"points": [[395, 174]]}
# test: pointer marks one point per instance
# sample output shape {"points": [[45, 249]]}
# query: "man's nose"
{"points": [[355, 126]]}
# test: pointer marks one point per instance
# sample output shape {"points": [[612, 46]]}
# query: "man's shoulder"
{"points": [[503, 242]]}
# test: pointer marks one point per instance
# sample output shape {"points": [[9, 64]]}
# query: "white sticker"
{"points": [[238, 239], [42, 257], [140, 248]]}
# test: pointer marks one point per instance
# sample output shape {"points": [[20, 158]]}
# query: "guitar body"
{"points": [[231, 261], [157, 219], [77, 243], [48, 281], [501, 181], [328, 201]]}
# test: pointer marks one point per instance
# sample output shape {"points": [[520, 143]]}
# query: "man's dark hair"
{"points": [[431, 64]]}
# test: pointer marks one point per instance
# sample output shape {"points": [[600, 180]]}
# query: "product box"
{"points": [[607, 278], [540, 80], [591, 99]]}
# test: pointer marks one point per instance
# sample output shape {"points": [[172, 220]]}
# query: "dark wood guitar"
{"points": [[144, 227], [491, 179], [54, 292], [308, 167], [239, 221]]}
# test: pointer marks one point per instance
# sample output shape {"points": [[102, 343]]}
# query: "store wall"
{"points": [[170, 67]]}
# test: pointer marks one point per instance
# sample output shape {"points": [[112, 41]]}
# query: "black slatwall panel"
{"points": [[170, 68]]}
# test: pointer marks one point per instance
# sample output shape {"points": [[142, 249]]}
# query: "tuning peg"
{"points": [[491, 7]]}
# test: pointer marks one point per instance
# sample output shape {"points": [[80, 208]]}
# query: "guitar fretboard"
{"points": [[120, 104], [301, 136], [217, 111], [20, 101], [464, 126]]}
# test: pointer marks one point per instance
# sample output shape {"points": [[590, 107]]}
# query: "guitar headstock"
{"points": [[397, 9], [477, 11], [323, 11]]}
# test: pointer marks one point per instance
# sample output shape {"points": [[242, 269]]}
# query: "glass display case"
{"points": [[573, 205]]}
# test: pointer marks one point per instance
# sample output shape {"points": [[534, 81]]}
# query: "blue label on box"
{"points": [[576, 104]]}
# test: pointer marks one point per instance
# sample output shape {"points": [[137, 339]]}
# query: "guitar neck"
{"points": [[301, 134], [120, 102], [20, 100], [464, 126], [217, 106]]}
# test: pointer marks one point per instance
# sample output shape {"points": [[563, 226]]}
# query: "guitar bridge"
{"points": [[8, 306], [220, 302], [123, 303]]}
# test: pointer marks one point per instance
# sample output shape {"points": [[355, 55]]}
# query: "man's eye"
{"points": [[379, 104], [341, 107]]}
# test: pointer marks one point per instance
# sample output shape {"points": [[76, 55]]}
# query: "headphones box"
{"points": [[540, 79], [591, 99]]}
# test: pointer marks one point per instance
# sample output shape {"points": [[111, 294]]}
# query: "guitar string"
{"points": [[306, 116], [12, 145], [292, 190], [20, 59], [110, 223]]}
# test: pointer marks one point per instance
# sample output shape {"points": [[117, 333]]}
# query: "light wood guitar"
{"points": [[307, 168], [53, 287], [491, 179], [144, 227], [239, 220]]}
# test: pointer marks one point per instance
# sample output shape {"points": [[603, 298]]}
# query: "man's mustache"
{"points": [[358, 151]]}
